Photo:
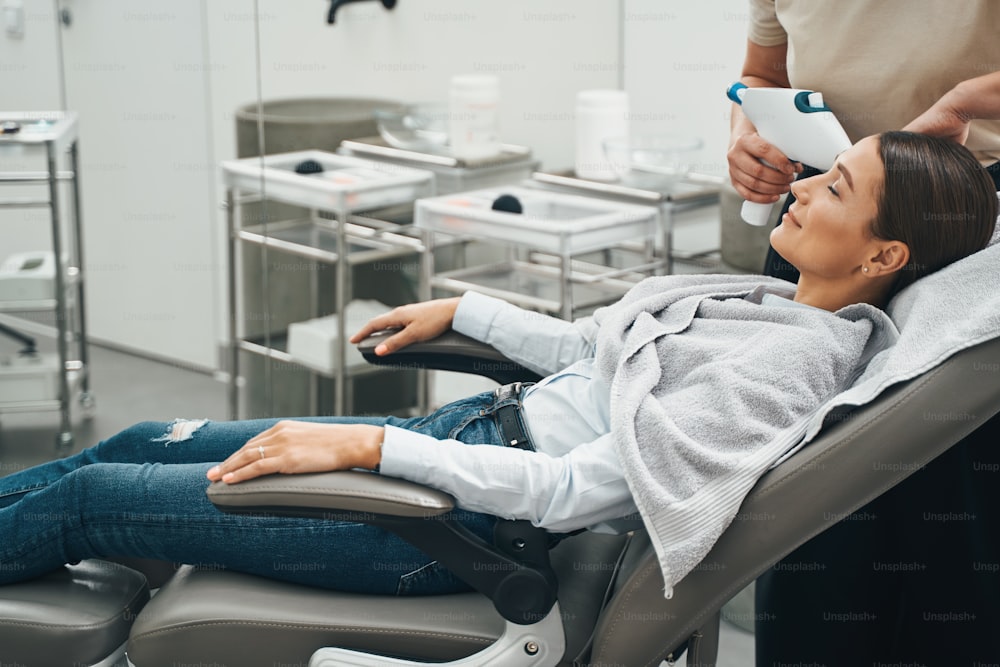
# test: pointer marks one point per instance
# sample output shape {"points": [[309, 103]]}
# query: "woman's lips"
{"points": [[792, 219]]}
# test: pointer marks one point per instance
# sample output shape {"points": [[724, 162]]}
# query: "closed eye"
{"points": [[833, 191]]}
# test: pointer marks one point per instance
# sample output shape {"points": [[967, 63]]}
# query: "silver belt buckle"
{"points": [[508, 390]]}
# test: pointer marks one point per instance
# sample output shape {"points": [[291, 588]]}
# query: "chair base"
{"points": [[238, 619], [540, 644], [116, 659]]}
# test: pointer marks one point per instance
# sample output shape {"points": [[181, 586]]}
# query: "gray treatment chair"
{"points": [[594, 600]]}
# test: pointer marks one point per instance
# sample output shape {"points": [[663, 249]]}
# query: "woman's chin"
{"points": [[786, 250], [778, 240]]}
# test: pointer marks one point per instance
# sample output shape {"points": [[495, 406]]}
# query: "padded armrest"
{"points": [[347, 491], [451, 351], [514, 572]]}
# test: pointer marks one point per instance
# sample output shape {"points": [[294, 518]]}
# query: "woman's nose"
{"points": [[800, 189]]}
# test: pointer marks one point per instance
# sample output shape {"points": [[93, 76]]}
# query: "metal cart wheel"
{"points": [[64, 441], [88, 405]]}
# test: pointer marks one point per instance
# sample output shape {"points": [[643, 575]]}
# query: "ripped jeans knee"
{"points": [[180, 430], [177, 441]]}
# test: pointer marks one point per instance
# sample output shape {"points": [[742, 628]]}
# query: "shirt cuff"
{"points": [[408, 454], [475, 314]]}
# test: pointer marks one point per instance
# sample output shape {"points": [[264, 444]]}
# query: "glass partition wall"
{"points": [[315, 227]]}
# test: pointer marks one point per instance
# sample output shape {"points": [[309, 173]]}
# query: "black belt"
{"points": [[508, 417]]}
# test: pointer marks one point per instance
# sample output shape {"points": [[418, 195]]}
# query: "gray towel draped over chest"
{"points": [[708, 390]]}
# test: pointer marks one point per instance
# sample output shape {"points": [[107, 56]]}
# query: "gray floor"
{"points": [[129, 389]]}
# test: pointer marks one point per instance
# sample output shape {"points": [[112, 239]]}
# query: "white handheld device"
{"points": [[797, 123]]}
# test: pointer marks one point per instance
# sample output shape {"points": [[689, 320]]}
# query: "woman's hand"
{"points": [[753, 179], [417, 321], [298, 447]]}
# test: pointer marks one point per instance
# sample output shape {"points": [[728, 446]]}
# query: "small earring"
{"points": [[865, 269]]}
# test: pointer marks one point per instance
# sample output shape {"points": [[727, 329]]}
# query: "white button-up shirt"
{"points": [[573, 478]]}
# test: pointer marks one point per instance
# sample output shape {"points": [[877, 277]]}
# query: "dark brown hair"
{"points": [[936, 198]]}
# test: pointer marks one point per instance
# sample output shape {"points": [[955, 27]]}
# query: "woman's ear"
{"points": [[892, 257]]}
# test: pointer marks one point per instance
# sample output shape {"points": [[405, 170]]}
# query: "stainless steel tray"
{"points": [[694, 187], [551, 222], [346, 183], [377, 147]]}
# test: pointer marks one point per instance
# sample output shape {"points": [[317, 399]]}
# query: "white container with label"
{"points": [[30, 379], [600, 114], [473, 125]]}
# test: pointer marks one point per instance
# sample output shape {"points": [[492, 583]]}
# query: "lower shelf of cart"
{"points": [[532, 285], [317, 240], [11, 402], [276, 347], [17, 304]]}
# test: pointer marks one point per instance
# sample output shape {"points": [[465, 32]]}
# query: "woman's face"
{"points": [[826, 232]]}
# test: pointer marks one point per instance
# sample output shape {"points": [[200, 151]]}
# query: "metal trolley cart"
{"points": [[513, 165], [333, 232], [673, 198], [42, 384], [541, 270]]}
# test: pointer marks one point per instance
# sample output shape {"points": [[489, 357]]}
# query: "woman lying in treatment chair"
{"points": [[665, 407]]}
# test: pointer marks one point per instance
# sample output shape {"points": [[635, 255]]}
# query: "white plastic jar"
{"points": [[473, 126], [600, 114]]}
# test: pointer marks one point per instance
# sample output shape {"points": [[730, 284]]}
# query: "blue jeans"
{"points": [[141, 493]]}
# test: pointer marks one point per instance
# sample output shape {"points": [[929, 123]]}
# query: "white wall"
{"points": [[679, 59], [134, 71], [543, 53]]}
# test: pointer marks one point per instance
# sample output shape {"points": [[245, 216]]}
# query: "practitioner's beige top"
{"points": [[880, 63]]}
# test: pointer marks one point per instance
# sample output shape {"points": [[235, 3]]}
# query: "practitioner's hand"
{"points": [[417, 322], [968, 100], [298, 447], [942, 120], [754, 180]]}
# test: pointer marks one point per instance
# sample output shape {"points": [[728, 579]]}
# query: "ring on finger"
{"points": [[260, 449]]}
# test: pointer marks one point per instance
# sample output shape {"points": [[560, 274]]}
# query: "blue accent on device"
{"points": [[731, 92], [802, 103]]}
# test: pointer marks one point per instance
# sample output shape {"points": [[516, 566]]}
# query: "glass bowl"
{"points": [[415, 127], [654, 161]]}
